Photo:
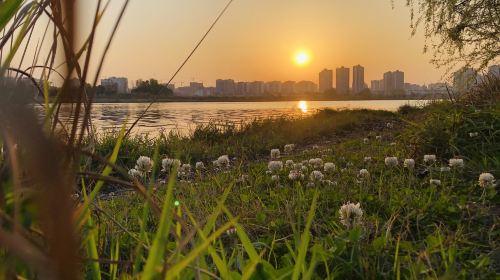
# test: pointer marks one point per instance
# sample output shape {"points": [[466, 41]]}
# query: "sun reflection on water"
{"points": [[302, 105]]}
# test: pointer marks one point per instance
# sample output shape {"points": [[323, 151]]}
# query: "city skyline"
{"points": [[330, 32]]}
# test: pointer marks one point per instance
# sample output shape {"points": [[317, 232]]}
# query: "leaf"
{"points": [[7, 10], [157, 250], [304, 240]]}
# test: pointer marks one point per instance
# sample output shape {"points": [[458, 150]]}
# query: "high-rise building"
{"points": [[342, 80], [377, 86], [241, 88], [399, 80], [358, 78], [225, 87], [325, 80], [394, 81], [119, 84], [256, 88], [464, 79]]}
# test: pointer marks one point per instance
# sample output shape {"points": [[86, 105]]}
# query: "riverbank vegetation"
{"points": [[399, 195]]}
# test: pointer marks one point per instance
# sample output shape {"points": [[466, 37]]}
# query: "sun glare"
{"points": [[302, 58], [302, 106]]}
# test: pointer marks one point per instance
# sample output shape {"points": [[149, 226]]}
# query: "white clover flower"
{"points": [[456, 162], [134, 173], [429, 159], [275, 178], [391, 161], [486, 180], [328, 183], [445, 169], [329, 167], [222, 161], [351, 215], [289, 163], [316, 163], [473, 134], [367, 159], [389, 125], [304, 169], [200, 165], [289, 148], [275, 153], [316, 176], [275, 166], [366, 140], [184, 170], [435, 182], [144, 164], [168, 163], [364, 173], [315, 147], [186, 167], [295, 175], [409, 163], [378, 137]]}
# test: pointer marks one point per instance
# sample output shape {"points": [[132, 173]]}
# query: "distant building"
{"points": [[118, 84], [171, 87], [342, 80], [225, 87], [377, 86], [273, 87], [305, 87], [358, 78], [288, 87], [394, 81], [437, 88], [325, 80], [256, 88], [399, 80], [414, 89], [241, 88], [464, 79]]}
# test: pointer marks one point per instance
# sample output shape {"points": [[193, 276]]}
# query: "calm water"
{"points": [[184, 116]]}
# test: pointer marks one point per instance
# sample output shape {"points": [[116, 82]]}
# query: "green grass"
{"points": [[411, 229], [291, 229]]}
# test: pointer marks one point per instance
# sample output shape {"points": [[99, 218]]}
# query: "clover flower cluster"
{"points": [[289, 148], [351, 215]]}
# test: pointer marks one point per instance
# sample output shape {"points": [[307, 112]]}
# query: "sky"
{"points": [[257, 39]]}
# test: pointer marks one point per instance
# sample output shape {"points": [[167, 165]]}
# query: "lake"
{"points": [[185, 116]]}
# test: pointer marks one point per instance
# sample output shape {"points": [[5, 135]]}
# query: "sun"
{"points": [[302, 58]]}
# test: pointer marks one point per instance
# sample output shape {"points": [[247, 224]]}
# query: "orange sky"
{"points": [[256, 39]]}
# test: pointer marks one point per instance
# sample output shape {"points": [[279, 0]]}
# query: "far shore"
{"points": [[253, 99]]}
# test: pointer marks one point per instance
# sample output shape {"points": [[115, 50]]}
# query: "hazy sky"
{"points": [[256, 39]]}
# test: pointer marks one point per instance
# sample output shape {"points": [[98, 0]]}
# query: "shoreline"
{"points": [[257, 100]]}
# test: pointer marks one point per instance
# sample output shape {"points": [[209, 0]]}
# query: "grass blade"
{"points": [[304, 241]]}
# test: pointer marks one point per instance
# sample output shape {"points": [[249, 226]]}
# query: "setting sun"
{"points": [[302, 58]]}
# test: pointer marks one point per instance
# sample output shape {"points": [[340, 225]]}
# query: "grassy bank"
{"points": [[423, 222]]}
